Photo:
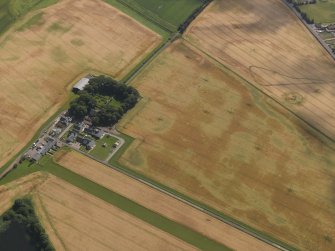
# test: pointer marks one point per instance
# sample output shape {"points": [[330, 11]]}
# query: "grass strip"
{"points": [[114, 161], [47, 164]]}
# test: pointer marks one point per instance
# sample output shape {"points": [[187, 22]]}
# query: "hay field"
{"points": [[74, 219], [167, 206], [267, 44], [41, 56], [220, 141], [80, 220], [18, 189]]}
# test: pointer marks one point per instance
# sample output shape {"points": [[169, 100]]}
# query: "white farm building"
{"points": [[80, 85]]}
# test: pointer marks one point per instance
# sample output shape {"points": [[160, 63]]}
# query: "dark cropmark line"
{"points": [[244, 52], [315, 114], [251, 35]]}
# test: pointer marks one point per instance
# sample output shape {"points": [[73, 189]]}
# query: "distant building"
{"points": [[79, 127], [50, 144], [91, 145], [88, 143], [55, 132], [71, 137], [80, 85], [95, 132], [331, 28], [63, 122]]}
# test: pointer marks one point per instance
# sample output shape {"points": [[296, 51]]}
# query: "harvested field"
{"points": [[267, 44], [80, 220], [170, 14], [167, 206], [19, 188], [41, 56], [64, 211], [217, 139]]}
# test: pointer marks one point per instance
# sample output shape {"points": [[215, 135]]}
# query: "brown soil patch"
{"points": [[160, 202], [38, 64], [267, 44], [217, 139]]}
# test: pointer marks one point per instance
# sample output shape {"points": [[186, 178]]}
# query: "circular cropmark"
{"points": [[294, 98]]}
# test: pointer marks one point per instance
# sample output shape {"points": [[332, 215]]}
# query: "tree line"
{"points": [[296, 5], [86, 104], [22, 213]]}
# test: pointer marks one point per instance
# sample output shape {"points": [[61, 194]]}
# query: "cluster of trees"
{"points": [[302, 2], [86, 104], [196, 12], [297, 3], [23, 213]]}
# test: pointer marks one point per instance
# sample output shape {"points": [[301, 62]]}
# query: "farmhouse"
{"points": [[39, 153], [71, 137], [79, 127], [63, 122], [80, 85], [331, 28], [95, 132], [89, 144]]}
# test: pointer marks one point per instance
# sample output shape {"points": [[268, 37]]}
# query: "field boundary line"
{"points": [[188, 201], [47, 216], [119, 201], [257, 87]]}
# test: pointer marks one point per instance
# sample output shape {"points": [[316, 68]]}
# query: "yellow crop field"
{"points": [[212, 136], [78, 219], [265, 42], [74, 219], [167, 206], [42, 55]]}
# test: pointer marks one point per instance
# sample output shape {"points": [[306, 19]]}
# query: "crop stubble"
{"points": [[217, 139], [159, 202], [39, 62], [267, 44]]}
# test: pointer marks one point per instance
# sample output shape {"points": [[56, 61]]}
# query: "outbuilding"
{"points": [[80, 85]]}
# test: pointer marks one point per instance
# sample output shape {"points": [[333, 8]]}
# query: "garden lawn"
{"points": [[322, 12], [100, 152]]}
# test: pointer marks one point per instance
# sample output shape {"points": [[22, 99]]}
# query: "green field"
{"points": [[11, 10], [322, 12], [101, 152], [166, 13]]}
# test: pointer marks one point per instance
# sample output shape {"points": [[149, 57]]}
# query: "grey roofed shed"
{"points": [[80, 85]]}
